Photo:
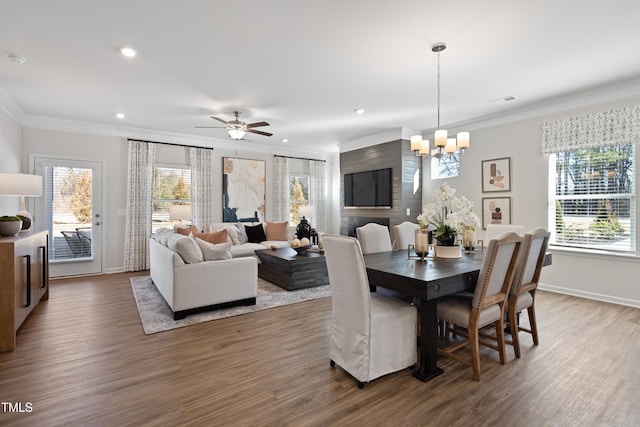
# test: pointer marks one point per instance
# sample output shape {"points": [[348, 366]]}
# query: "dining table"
{"points": [[426, 280]]}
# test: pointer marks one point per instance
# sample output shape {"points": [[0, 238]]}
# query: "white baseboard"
{"points": [[589, 295], [114, 270]]}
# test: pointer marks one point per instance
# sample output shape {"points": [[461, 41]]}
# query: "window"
{"points": [[447, 166], [298, 197], [592, 198], [171, 187]]}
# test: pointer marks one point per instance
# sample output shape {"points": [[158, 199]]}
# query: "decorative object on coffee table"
{"points": [[304, 229]]}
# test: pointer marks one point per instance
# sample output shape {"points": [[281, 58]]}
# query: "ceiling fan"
{"points": [[237, 128]]}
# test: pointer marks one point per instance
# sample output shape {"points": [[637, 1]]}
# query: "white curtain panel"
{"points": [[201, 187], [281, 191], [317, 196], [139, 205], [613, 127]]}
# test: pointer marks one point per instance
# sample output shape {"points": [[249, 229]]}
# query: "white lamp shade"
{"points": [[451, 146], [424, 149], [180, 212], [306, 211], [236, 133], [20, 184], [416, 142], [440, 139], [463, 139]]}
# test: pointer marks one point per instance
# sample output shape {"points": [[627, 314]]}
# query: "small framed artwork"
{"points": [[496, 210], [496, 175]]}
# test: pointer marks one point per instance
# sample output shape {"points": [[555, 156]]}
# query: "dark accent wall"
{"points": [[398, 156]]}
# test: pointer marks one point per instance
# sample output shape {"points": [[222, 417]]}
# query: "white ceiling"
{"points": [[305, 66]]}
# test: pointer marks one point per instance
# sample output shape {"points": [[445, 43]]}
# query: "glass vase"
{"points": [[422, 242], [469, 239]]}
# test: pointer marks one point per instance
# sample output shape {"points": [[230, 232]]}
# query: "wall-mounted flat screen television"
{"points": [[369, 189]]}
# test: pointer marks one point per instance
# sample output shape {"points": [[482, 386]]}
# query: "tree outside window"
{"points": [[299, 196], [171, 186]]}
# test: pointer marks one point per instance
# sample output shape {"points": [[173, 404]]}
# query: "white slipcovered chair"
{"points": [[371, 334], [405, 235], [469, 315], [374, 238], [494, 230], [525, 282]]}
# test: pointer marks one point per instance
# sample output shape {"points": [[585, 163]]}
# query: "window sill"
{"points": [[594, 253]]}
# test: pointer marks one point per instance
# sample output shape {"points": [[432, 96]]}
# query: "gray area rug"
{"points": [[156, 315]]}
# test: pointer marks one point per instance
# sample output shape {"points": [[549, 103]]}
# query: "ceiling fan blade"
{"points": [[220, 120], [257, 124], [259, 132]]}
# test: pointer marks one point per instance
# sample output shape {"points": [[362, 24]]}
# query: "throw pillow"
{"points": [[220, 236], [186, 247], [162, 234], [255, 233], [185, 231], [212, 252], [242, 234], [277, 230]]}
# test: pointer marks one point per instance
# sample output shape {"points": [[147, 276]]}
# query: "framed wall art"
{"points": [[243, 190], [496, 210], [496, 175]]}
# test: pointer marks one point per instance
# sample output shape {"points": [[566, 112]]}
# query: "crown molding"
{"points": [[9, 106]]}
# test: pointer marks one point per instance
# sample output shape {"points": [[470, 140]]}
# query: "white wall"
{"points": [[602, 277], [112, 151], [10, 150]]}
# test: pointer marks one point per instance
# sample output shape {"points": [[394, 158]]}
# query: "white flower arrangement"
{"points": [[448, 215]]}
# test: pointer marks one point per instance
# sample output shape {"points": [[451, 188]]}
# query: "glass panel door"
{"points": [[70, 211]]}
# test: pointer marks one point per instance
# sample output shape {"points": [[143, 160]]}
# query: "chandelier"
{"points": [[443, 144]]}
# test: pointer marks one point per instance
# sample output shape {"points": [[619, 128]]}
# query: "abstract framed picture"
{"points": [[496, 210], [496, 175], [243, 190]]}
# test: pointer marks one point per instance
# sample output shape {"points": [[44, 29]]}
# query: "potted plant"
{"points": [[448, 216], [10, 225]]}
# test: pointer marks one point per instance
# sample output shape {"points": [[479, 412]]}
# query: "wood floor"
{"points": [[83, 359]]}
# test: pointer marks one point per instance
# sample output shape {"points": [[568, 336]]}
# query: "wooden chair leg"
{"points": [[531, 311], [500, 336], [475, 353], [513, 328]]}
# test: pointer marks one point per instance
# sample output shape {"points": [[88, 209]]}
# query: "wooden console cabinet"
{"points": [[24, 281]]}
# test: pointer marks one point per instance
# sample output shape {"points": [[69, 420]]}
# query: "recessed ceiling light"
{"points": [[285, 140], [359, 110], [129, 52], [120, 115]]}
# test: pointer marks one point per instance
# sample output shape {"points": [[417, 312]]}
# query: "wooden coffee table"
{"points": [[285, 268]]}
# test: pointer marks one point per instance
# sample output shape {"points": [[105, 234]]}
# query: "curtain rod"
{"points": [[169, 143], [299, 158]]}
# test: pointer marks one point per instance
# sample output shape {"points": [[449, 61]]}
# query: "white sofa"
{"points": [[241, 247], [200, 285]]}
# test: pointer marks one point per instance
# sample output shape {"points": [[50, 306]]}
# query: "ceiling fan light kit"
{"points": [[237, 129], [444, 144]]}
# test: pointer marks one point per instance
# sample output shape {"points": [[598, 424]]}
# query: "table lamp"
{"points": [[23, 185], [180, 213]]}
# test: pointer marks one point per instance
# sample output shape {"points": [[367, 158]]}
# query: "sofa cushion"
{"points": [[186, 230], [220, 236], [214, 251], [186, 247], [277, 230], [246, 249], [162, 234], [255, 233]]}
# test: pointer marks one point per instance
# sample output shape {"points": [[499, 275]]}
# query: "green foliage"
{"points": [[80, 203], [10, 218], [298, 199], [606, 225]]}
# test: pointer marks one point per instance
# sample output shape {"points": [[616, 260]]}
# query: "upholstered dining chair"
{"points": [[494, 230], [405, 235], [374, 238], [486, 307], [525, 282], [371, 334]]}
